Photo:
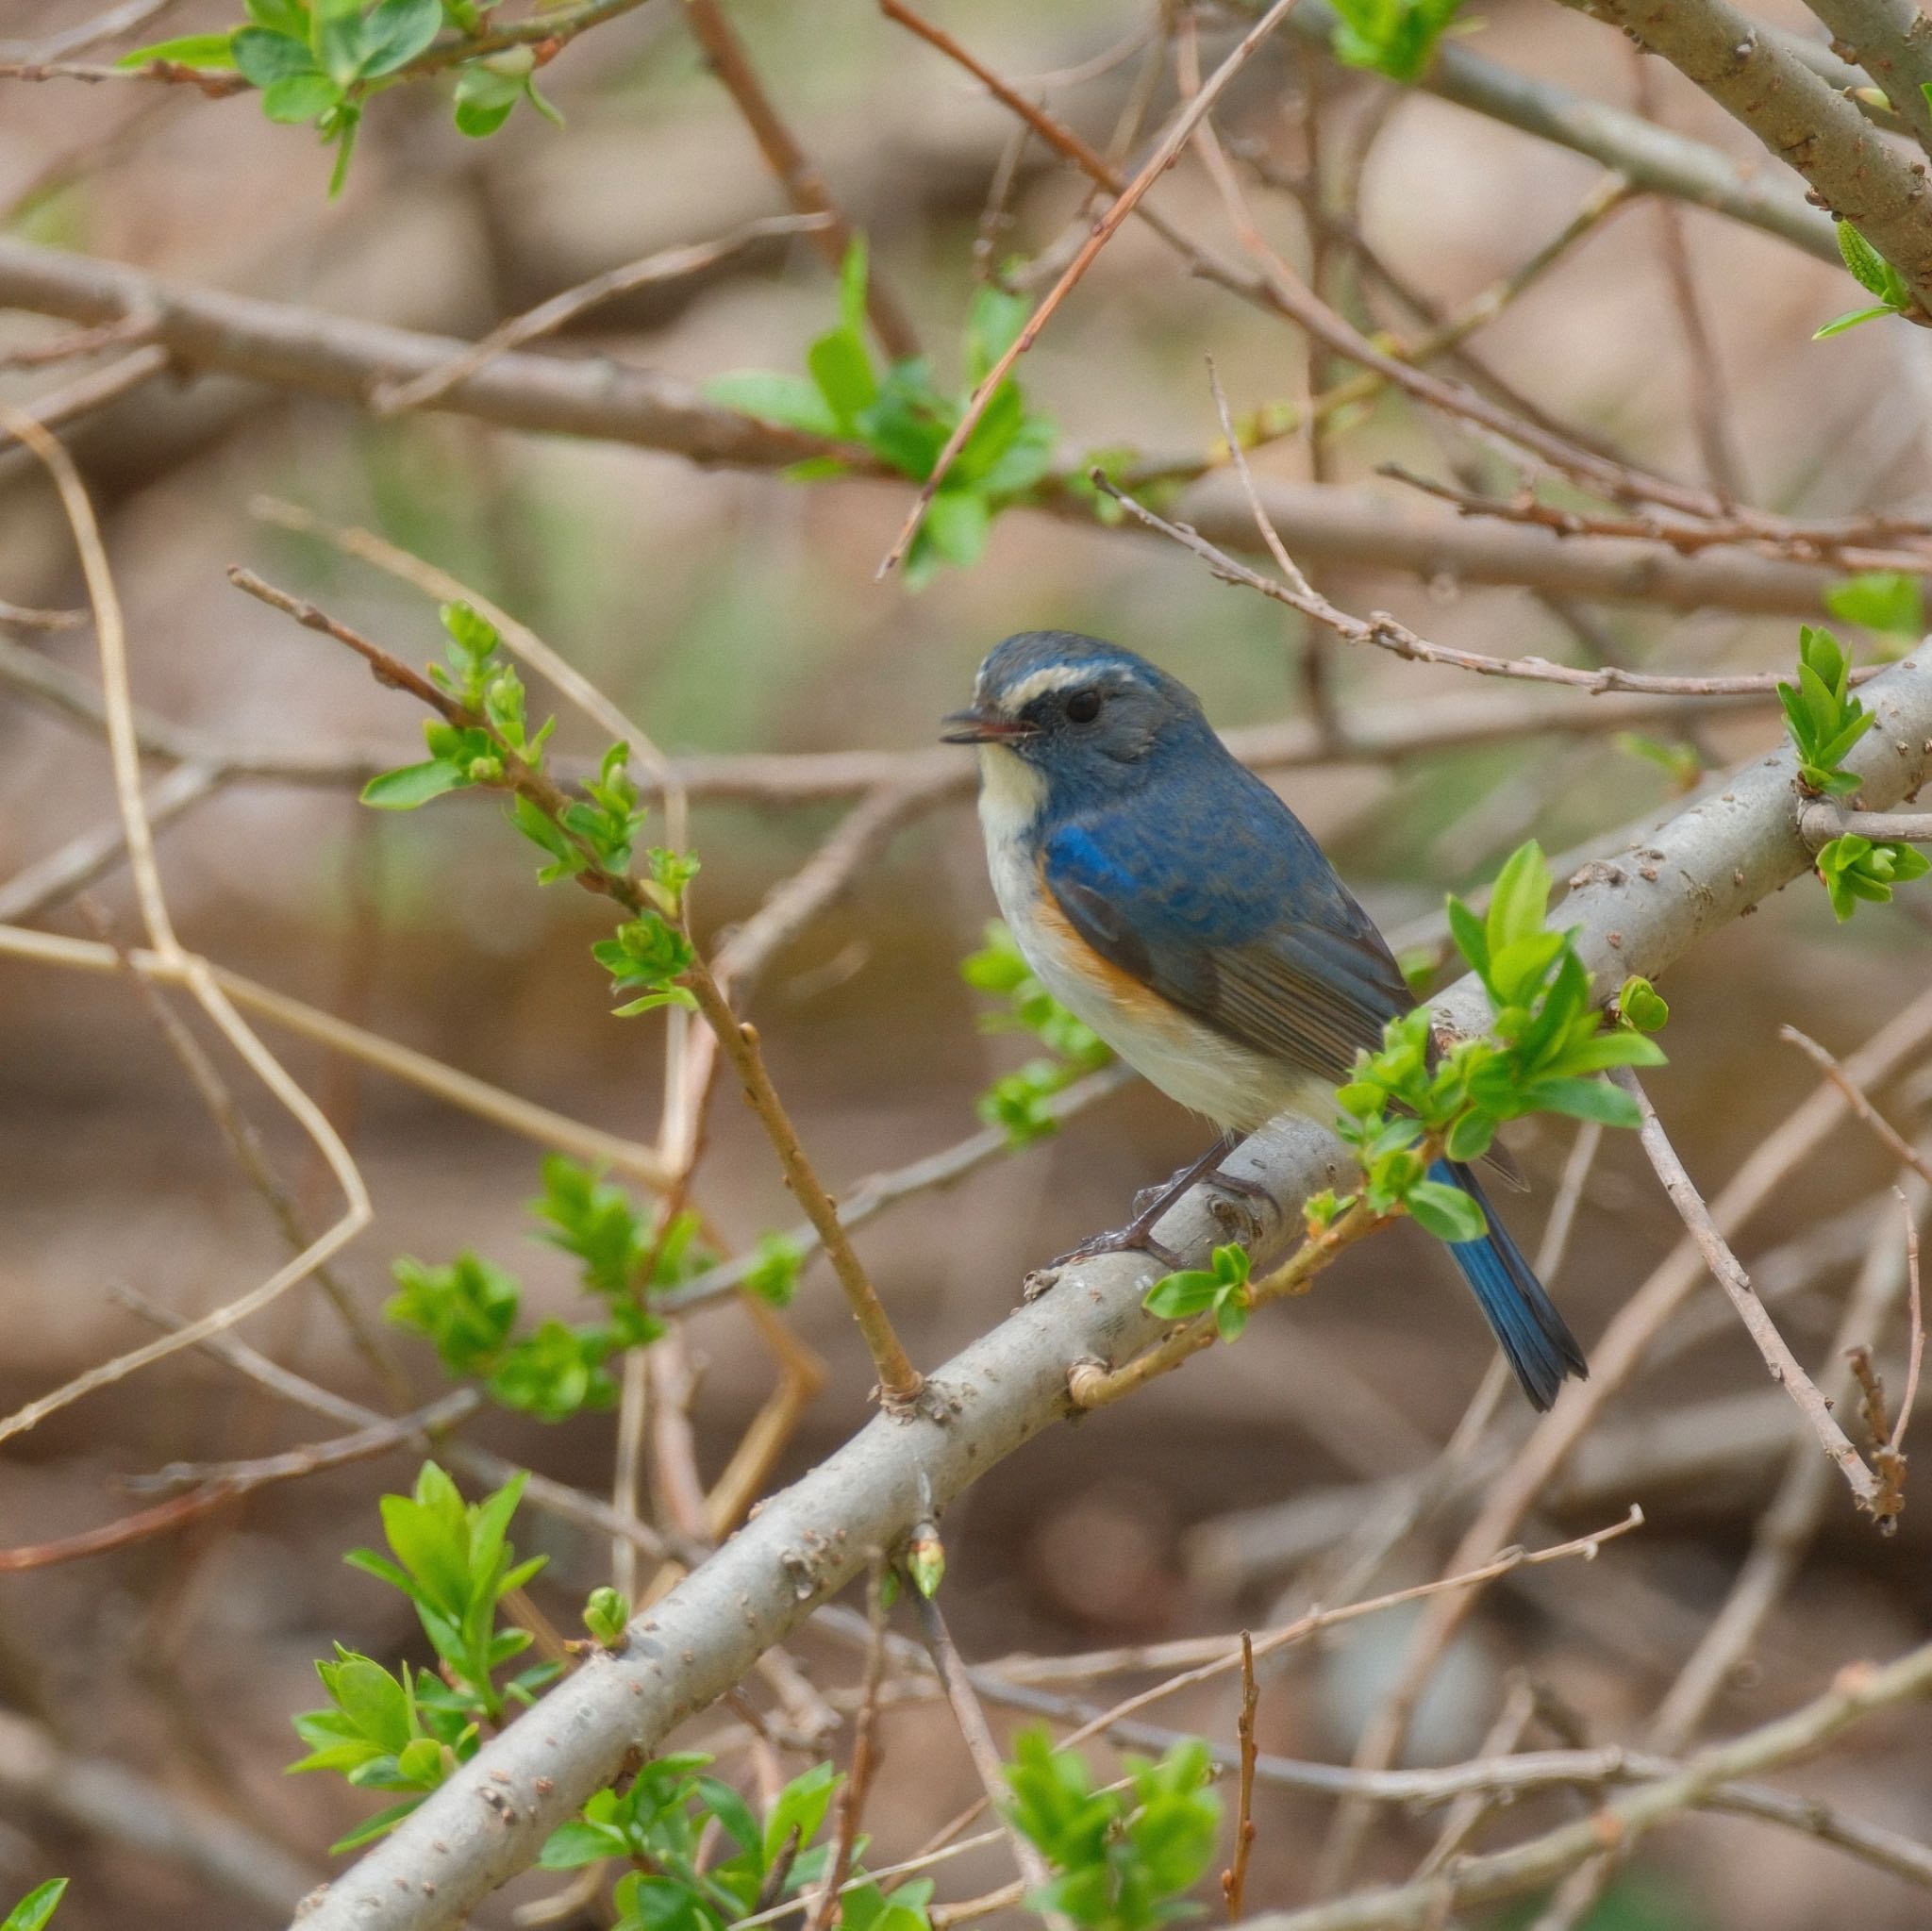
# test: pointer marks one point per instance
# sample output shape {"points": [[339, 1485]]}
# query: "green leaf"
{"points": [[650, 1002], [299, 98], [775, 1267], [1587, 1099], [1680, 761], [372, 1827], [212, 53], [265, 57], [288, 17], [734, 1817], [571, 1845], [800, 1807], [1521, 896], [1839, 324], [483, 99], [993, 325], [1026, 459], [1869, 268], [956, 521], [1232, 1265], [36, 1907], [1888, 601], [1446, 1212], [853, 276], [842, 371], [790, 401], [395, 32], [414, 784], [1640, 1005], [926, 1562], [1470, 1135], [1605, 1050], [1471, 941], [1175, 1296]]}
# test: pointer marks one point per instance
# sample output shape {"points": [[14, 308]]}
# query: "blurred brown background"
{"points": [[740, 612]]}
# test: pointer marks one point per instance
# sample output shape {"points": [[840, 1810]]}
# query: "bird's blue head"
{"points": [[1084, 718]]}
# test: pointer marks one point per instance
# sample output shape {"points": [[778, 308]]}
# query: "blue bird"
{"points": [[1165, 895]]}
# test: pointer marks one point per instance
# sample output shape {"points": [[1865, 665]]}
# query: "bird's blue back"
{"points": [[1202, 883]]}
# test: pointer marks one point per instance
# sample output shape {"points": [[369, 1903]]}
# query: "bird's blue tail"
{"points": [[1532, 1334]]}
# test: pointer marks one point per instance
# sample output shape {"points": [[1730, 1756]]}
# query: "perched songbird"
{"points": [[1164, 894]]}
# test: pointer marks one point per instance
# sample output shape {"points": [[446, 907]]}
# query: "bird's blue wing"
{"points": [[1214, 896]]}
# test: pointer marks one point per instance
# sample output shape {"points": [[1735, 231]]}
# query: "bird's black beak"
{"points": [[982, 727]]}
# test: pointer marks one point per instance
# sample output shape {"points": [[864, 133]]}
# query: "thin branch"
{"points": [[461, 1089], [1093, 1385], [85, 393], [1893, 1140], [1710, 416], [1785, 1367], [865, 1753], [216, 85], [1916, 1346], [1784, 1535], [124, 754], [293, 1464], [309, 351], [900, 1382], [1385, 633], [868, 1198], [84, 34], [1651, 158], [546, 318], [1824, 821], [804, 186], [1387, 735], [569, 1505], [21, 617], [1234, 1880], [245, 1148], [1157, 164], [1798, 116], [91, 853], [956, 1682], [1862, 1689]]}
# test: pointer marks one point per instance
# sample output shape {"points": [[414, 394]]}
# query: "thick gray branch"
{"points": [[1759, 81], [1650, 157], [1709, 864], [1893, 42], [339, 355]]}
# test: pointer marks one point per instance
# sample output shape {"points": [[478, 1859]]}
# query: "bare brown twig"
{"points": [[668, 264], [865, 1754], [1785, 1367], [804, 186], [1385, 633], [1234, 1880], [956, 1682]]}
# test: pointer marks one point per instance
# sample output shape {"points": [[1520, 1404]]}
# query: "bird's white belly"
{"points": [[1187, 1059]]}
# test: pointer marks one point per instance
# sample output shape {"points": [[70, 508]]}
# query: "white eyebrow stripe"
{"points": [[1057, 677]]}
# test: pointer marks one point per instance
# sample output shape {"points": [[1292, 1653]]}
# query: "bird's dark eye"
{"points": [[1083, 706]]}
